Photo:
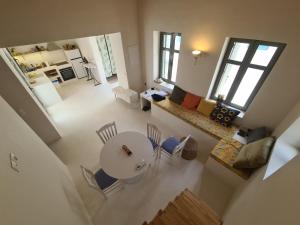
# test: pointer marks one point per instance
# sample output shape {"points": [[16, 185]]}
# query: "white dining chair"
{"points": [[101, 181], [154, 135], [172, 147], [107, 132]]}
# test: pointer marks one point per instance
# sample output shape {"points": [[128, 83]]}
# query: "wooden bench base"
{"points": [[182, 128], [215, 143]]}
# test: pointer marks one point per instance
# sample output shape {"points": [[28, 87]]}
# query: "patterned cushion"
{"points": [[191, 101], [170, 144], [177, 95], [255, 154], [104, 180], [224, 115]]}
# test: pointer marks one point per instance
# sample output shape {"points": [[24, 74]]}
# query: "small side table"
{"points": [[146, 97]]}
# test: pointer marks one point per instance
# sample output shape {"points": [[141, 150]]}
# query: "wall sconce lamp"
{"points": [[196, 54]]}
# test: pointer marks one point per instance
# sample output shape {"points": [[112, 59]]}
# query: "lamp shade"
{"points": [[196, 52]]}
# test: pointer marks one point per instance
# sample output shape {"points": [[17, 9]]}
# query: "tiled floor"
{"points": [[86, 108]]}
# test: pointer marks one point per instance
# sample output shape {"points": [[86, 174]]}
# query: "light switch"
{"points": [[14, 162]]}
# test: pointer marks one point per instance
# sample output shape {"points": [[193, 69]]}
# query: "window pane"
{"points": [[263, 55], [175, 65], [167, 41], [238, 51], [227, 79], [165, 63], [247, 86], [177, 42]]}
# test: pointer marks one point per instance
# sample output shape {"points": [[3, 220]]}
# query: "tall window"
{"points": [[245, 66], [169, 55]]}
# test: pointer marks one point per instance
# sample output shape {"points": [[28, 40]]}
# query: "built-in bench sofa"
{"points": [[215, 140]]}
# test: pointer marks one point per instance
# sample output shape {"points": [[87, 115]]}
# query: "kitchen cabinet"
{"points": [[44, 90]]}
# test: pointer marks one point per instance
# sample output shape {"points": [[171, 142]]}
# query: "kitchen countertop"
{"points": [[39, 79], [56, 66]]}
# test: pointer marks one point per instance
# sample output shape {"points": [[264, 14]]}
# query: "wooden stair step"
{"points": [[158, 221], [201, 203], [186, 209], [172, 209], [172, 218], [194, 213], [190, 199], [182, 214]]}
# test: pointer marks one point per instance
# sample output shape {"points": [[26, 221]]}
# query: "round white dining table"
{"points": [[116, 163]]}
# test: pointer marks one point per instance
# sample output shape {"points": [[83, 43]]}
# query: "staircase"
{"points": [[186, 209]]}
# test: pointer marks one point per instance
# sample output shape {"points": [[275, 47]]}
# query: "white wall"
{"points": [[43, 56], [14, 90], [29, 22], [42, 192], [205, 25], [50, 57], [89, 49], [118, 55], [61, 43]]}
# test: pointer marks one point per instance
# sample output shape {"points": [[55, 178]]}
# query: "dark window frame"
{"points": [[171, 56], [244, 65]]}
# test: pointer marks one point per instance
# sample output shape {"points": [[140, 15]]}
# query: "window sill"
{"points": [[166, 86], [241, 114]]}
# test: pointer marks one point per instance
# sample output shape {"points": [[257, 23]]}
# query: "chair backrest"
{"points": [[181, 145], [153, 133], [107, 132], [89, 177]]}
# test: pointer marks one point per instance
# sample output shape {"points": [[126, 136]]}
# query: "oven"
{"points": [[67, 73]]}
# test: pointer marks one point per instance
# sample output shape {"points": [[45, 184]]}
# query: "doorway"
{"points": [[108, 61], [55, 75]]}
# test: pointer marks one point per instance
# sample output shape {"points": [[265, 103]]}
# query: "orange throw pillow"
{"points": [[191, 101]]}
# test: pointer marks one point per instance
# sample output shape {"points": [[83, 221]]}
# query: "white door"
{"points": [[78, 68]]}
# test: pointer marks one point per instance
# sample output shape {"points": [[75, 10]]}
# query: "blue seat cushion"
{"points": [[170, 144], [103, 180], [154, 145]]}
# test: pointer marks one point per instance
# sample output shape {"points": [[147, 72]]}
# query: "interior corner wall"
{"points": [[42, 192], [35, 22], [292, 115], [22, 102], [273, 201], [205, 25]]}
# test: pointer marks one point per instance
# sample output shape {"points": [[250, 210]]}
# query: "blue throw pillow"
{"points": [[170, 144]]}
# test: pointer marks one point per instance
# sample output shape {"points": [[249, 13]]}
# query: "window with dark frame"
{"points": [[245, 66], [169, 56]]}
